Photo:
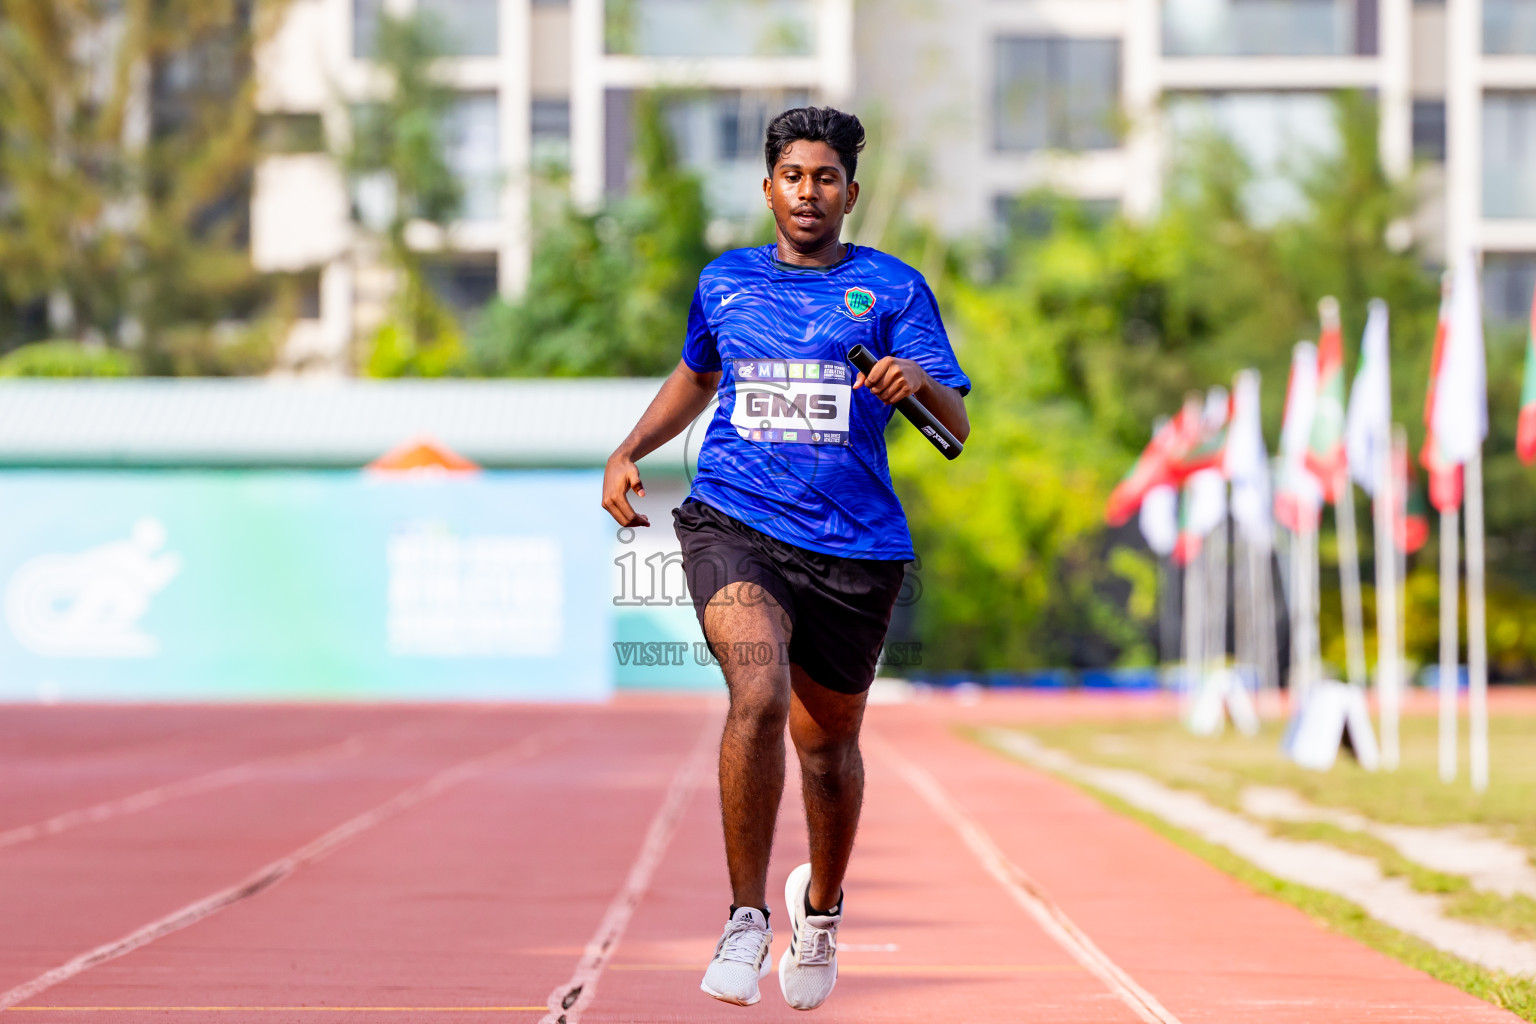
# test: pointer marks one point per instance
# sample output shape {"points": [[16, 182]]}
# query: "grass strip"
{"points": [[1512, 993], [1515, 914], [1393, 864]]}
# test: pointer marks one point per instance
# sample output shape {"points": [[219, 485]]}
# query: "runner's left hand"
{"points": [[893, 379]]}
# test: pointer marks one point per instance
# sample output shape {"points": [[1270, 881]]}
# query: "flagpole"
{"points": [[1298, 675], [1386, 607], [1216, 606], [1242, 603], [1400, 553], [1477, 633], [1349, 578], [1449, 634], [1315, 603], [1167, 644], [1193, 585], [1260, 574]]}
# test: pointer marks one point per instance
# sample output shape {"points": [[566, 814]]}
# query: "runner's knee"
{"points": [[760, 705], [829, 758]]}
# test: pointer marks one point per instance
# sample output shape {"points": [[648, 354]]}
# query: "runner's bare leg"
{"points": [[752, 745], [824, 726]]}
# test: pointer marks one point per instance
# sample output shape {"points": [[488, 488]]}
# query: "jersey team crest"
{"points": [[859, 301]]}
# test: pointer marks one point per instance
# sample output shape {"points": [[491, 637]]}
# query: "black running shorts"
{"points": [[839, 608]]}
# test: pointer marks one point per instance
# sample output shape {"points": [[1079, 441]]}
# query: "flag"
{"points": [[1525, 436], [1159, 519], [1444, 477], [1368, 424], [1211, 445], [1325, 457], [1411, 521], [1296, 496], [1203, 508], [1179, 447], [1245, 462], [1461, 394]]}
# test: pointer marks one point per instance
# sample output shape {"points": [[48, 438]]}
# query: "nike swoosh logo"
{"points": [[727, 300]]}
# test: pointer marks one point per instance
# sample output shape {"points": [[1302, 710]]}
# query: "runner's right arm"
{"points": [[683, 395]]}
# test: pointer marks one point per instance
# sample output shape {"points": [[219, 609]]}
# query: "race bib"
{"points": [[798, 401]]}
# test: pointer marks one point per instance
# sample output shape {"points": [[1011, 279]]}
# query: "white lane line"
{"points": [[567, 1002], [268, 876], [157, 795], [1026, 892]]}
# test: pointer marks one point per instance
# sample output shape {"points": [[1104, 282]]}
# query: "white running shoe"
{"points": [[808, 969], [741, 958]]}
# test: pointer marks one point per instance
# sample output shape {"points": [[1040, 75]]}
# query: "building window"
{"points": [[550, 129], [1509, 26], [1509, 154], [1057, 93], [1429, 130], [1509, 280], [1278, 134], [710, 28], [472, 147], [718, 134], [367, 15], [464, 283], [469, 28], [1292, 28], [465, 28], [1029, 217]]}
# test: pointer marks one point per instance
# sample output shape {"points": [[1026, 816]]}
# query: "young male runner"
{"points": [[793, 540]]}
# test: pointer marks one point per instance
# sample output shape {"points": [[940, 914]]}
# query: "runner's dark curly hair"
{"points": [[841, 131]]}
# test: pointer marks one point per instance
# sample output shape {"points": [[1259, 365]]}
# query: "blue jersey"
{"points": [[792, 450]]}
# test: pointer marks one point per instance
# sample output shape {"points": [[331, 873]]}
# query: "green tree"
{"points": [[610, 290], [1090, 331], [127, 140], [400, 174]]}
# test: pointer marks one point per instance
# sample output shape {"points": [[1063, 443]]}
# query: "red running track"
{"points": [[277, 864]]}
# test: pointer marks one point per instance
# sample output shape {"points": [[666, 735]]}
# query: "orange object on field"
{"points": [[421, 454]]}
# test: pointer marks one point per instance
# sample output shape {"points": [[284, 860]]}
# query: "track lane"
{"points": [[59, 760], [1209, 948], [479, 899], [927, 935], [91, 886]]}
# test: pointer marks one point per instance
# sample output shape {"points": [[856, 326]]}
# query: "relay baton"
{"points": [[925, 421]]}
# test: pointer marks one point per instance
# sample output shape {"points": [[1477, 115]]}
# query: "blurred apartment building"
{"points": [[974, 103]]}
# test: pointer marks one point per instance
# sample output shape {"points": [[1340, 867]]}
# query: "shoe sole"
{"points": [[761, 974], [794, 901]]}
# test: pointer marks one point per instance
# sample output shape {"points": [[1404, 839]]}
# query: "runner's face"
{"points": [[810, 194]]}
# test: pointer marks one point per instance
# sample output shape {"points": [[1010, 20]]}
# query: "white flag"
{"points": [[1368, 426], [1300, 403], [1461, 396], [1246, 463], [1159, 519], [1206, 492]]}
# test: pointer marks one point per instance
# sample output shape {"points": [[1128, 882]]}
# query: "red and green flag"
{"points": [[1325, 447], [1444, 475], [1411, 517], [1525, 436], [1179, 447]]}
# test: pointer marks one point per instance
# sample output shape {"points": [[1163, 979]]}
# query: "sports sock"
{"points": [[813, 912]]}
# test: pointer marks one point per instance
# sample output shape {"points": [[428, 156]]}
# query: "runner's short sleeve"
{"points": [[918, 334], [699, 349]]}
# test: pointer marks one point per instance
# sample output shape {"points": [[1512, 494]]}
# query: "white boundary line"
{"points": [[199, 784], [268, 876], [1026, 892], [567, 1002]]}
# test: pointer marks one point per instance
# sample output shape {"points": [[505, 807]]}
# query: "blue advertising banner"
{"points": [[304, 585]]}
